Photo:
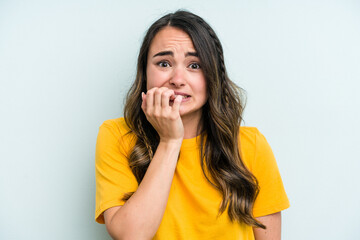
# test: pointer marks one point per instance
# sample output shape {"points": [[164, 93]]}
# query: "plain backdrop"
{"points": [[65, 67]]}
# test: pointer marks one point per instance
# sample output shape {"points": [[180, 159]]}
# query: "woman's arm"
{"points": [[273, 227], [141, 215]]}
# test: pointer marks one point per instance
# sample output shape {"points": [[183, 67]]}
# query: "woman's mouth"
{"points": [[183, 96]]}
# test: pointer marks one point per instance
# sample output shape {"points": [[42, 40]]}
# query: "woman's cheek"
{"points": [[157, 78]]}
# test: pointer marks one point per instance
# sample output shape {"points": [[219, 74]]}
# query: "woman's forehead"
{"points": [[171, 39]]}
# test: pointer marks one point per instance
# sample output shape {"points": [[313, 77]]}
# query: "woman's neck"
{"points": [[191, 126]]}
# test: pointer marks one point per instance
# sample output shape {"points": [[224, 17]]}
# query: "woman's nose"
{"points": [[178, 77]]}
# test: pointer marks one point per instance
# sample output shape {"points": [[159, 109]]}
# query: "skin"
{"points": [[273, 227], [172, 69]]}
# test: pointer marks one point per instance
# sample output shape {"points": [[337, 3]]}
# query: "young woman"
{"points": [[178, 165]]}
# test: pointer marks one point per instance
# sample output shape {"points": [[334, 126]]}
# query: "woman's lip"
{"points": [[182, 100], [186, 99], [181, 93], [183, 96]]}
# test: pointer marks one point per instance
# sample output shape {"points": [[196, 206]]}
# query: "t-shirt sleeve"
{"points": [[113, 175], [272, 197]]}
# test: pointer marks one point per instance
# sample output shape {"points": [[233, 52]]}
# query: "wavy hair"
{"points": [[222, 115]]}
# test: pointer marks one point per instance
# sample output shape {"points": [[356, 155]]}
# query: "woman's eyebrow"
{"points": [[195, 54], [164, 53]]}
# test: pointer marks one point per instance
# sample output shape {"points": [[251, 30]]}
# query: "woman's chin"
{"points": [[182, 111]]}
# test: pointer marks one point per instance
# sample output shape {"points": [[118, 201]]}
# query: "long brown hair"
{"points": [[221, 119]]}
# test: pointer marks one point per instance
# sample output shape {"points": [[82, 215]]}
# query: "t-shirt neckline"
{"points": [[191, 143]]}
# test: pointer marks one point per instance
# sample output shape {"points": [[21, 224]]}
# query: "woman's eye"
{"points": [[194, 66], [163, 64]]}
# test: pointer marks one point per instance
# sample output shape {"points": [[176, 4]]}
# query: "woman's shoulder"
{"points": [[248, 134], [252, 136], [117, 133], [116, 125], [249, 140]]}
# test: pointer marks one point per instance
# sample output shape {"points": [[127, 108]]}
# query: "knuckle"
{"points": [[151, 91], [173, 117], [166, 95], [148, 112], [158, 91]]}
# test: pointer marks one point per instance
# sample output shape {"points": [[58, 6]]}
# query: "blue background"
{"points": [[65, 67]]}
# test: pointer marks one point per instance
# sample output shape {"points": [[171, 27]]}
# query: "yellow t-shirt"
{"points": [[193, 204]]}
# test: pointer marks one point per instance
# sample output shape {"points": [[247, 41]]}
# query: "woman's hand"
{"points": [[161, 109]]}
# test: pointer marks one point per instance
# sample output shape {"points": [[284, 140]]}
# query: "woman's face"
{"points": [[173, 63]]}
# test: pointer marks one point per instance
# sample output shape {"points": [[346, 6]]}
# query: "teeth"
{"points": [[182, 96]]}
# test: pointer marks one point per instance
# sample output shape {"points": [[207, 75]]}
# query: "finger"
{"points": [[157, 97], [177, 103], [150, 101], [166, 97], [143, 102]]}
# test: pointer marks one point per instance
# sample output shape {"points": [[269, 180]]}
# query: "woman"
{"points": [[178, 165]]}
